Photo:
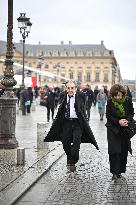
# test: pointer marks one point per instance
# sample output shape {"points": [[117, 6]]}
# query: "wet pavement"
{"points": [[91, 184], [46, 169], [11, 174]]}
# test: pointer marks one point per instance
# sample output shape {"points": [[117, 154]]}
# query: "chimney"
{"points": [[102, 43]]}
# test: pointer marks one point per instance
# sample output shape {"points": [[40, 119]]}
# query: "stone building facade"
{"points": [[85, 63]]}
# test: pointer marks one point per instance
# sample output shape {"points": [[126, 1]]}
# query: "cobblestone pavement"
{"points": [[91, 184], [26, 134]]}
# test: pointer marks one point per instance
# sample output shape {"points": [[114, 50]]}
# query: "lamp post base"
{"points": [[7, 123], [8, 142]]}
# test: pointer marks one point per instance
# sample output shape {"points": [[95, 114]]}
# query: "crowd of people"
{"points": [[51, 98], [71, 124]]}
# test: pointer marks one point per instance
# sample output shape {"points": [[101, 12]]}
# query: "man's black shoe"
{"points": [[114, 177], [72, 167], [68, 167], [119, 175]]}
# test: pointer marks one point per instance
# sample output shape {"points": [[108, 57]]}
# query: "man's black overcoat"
{"points": [[115, 133], [56, 129]]}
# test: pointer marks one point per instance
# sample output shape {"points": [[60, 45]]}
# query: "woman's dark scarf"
{"points": [[119, 105]]}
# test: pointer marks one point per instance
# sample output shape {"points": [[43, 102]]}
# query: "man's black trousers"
{"points": [[71, 140], [48, 113]]}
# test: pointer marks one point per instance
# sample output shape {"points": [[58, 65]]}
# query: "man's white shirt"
{"points": [[72, 108]]}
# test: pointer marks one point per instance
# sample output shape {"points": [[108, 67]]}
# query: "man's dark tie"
{"points": [[67, 113]]}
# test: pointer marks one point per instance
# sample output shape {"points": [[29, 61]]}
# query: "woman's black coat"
{"points": [[56, 129], [115, 133]]}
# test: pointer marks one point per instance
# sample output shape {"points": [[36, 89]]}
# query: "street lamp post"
{"points": [[8, 100], [24, 25], [40, 63]]}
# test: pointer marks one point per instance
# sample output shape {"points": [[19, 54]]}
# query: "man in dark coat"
{"points": [[50, 102], [96, 91], [70, 125], [89, 99], [30, 93], [24, 98]]}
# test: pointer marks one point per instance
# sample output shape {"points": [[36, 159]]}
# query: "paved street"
{"points": [[91, 184], [26, 134]]}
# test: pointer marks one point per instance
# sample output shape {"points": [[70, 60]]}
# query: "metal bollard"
{"points": [[17, 109], [20, 156], [41, 133], [33, 106]]}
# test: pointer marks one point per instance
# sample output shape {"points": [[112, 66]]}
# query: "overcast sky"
{"points": [[82, 22]]}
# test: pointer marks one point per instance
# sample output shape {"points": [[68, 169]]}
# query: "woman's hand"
{"points": [[123, 122]]}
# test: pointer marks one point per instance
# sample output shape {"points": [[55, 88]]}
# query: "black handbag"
{"points": [[131, 128]]}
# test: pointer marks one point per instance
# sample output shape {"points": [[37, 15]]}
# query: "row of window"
{"points": [[88, 76], [63, 67], [72, 68], [57, 53], [60, 65]]}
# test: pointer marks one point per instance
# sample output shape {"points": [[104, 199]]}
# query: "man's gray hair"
{"points": [[71, 81]]}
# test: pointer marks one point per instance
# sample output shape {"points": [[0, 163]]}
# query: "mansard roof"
{"points": [[39, 49]]}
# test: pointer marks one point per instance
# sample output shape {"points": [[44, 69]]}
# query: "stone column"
{"points": [[8, 100], [7, 123]]}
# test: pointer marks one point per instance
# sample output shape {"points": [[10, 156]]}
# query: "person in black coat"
{"points": [[96, 91], [50, 102], [89, 99], [70, 125], [119, 111], [128, 93], [1, 89], [30, 93], [18, 95], [24, 98]]}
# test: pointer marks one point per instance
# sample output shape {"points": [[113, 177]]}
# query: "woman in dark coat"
{"points": [[119, 111]]}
